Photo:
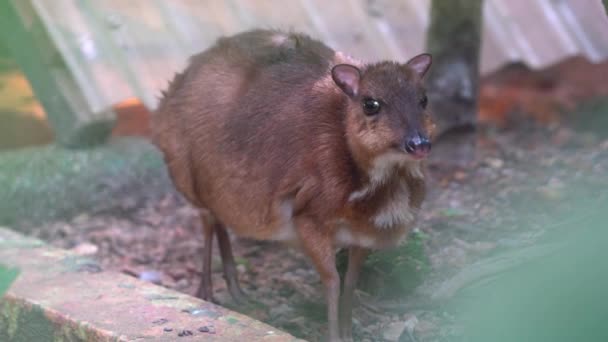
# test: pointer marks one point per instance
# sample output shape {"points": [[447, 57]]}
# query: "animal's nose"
{"points": [[419, 146]]}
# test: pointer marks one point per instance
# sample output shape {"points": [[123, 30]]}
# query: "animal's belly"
{"points": [[279, 225], [346, 236]]}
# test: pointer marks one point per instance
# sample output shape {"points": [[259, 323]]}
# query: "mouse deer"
{"points": [[275, 136]]}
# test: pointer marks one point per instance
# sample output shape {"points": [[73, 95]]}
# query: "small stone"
{"points": [[85, 249], [151, 276], [494, 163], [424, 328], [279, 310], [160, 321], [167, 329], [184, 333], [203, 329], [90, 267], [562, 137], [81, 219], [550, 193], [182, 284], [393, 331], [410, 324], [128, 204], [407, 333], [482, 247], [460, 175]]}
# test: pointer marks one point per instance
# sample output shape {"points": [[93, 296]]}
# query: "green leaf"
{"points": [[7, 276]]}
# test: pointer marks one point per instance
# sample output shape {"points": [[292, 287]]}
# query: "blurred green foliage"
{"points": [[560, 296]]}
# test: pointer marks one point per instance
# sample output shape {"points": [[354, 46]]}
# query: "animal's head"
{"points": [[387, 107]]}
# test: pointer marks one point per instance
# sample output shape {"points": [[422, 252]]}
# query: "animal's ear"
{"points": [[347, 77], [420, 63]]}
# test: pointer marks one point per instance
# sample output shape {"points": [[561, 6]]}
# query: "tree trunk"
{"points": [[454, 39]]}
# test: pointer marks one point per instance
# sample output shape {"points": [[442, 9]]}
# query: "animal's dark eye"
{"points": [[371, 106], [424, 101]]}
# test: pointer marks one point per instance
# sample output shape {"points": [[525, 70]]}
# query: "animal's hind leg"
{"points": [[205, 290], [230, 272]]}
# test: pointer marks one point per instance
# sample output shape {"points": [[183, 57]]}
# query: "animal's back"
{"points": [[238, 125]]}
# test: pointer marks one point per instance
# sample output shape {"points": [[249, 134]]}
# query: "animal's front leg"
{"points": [[356, 258], [318, 244]]}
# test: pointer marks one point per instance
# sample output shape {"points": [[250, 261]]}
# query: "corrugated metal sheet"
{"points": [[118, 49]]}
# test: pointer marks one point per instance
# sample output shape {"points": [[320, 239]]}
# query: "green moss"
{"points": [[8, 319], [231, 320], [24, 324], [52, 182]]}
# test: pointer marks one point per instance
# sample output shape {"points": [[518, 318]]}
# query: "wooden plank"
{"points": [[533, 32], [406, 24], [121, 57], [496, 39], [588, 23], [62, 296], [28, 41], [71, 36], [347, 29]]}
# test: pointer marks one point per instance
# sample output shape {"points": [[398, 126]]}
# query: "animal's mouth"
{"points": [[420, 154], [413, 155]]}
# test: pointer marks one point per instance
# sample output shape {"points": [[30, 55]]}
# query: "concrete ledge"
{"points": [[62, 297]]}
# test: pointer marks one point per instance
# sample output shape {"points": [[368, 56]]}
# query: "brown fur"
{"points": [[255, 131]]}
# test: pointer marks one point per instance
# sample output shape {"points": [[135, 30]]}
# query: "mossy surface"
{"points": [[51, 182]]}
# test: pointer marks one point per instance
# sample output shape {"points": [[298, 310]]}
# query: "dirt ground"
{"points": [[514, 191]]}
